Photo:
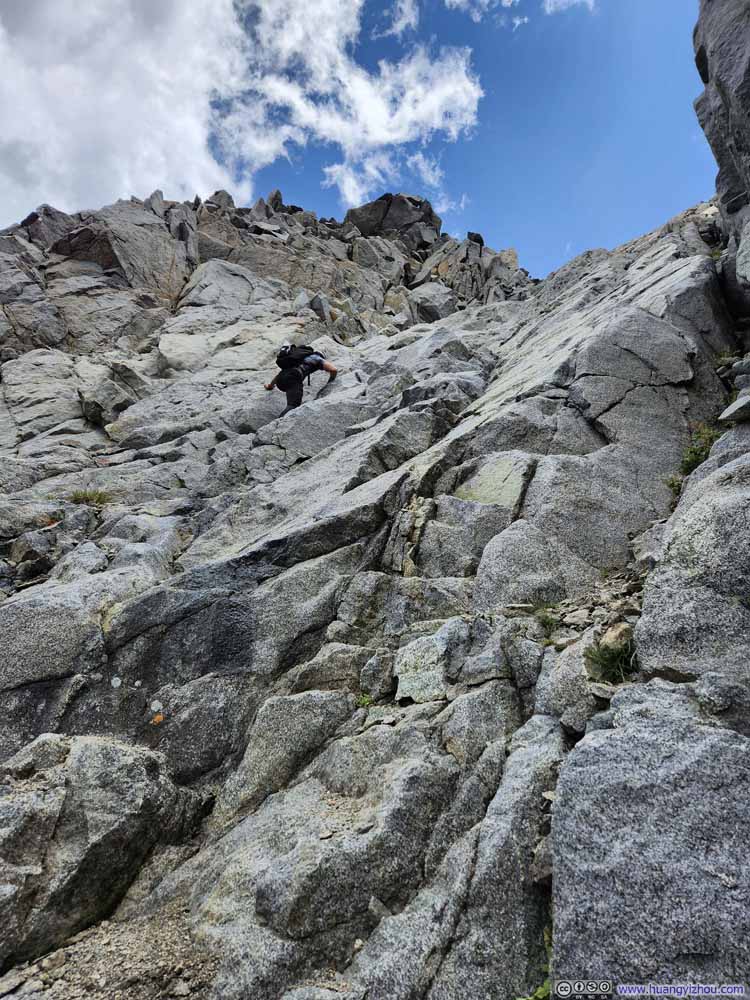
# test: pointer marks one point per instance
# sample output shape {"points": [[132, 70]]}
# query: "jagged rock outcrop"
{"points": [[377, 698]]}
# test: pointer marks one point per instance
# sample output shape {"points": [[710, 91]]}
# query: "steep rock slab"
{"points": [[41, 390], [220, 282], [285, 733], [648, 885], [77, 818], [304, 265], [51, 672], [523, 564], [696, 612]]}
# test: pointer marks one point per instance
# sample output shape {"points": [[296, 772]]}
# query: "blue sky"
{"points": [[553, 126], [586, 135]]}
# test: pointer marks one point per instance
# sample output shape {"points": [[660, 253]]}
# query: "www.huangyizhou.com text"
{"points": [[680, 989]]}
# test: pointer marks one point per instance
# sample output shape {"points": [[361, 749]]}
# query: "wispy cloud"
{"points": [[427, 169], [447, 206], [191, 96], [476, 9], [356, 181], [432, 178], [404, 17], [555, 6]]}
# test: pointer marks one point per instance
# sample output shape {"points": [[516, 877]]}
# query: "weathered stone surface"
{"points": [[294, 727], [738, 410], [696, 601], [78, 817], [133, 241], [654, 791], [432, 302], [28, 320], [563, 689], [523, 564], [722, 61], [411, 218], [421, 665]]}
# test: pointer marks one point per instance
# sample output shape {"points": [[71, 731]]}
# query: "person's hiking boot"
{"points": [[332, 376]]}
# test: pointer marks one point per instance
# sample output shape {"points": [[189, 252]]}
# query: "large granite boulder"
{"points": [[631, 854], [77, 818]]}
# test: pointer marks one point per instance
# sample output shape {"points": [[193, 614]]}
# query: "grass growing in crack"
{"points": [[365, 700], [702, 439], [725, 358], [612, 664], [94, 498], [548, 622], [675, 485], [544, 991]]}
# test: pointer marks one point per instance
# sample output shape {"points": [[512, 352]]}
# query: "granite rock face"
{"points": [[347, 703], [79, 816]]}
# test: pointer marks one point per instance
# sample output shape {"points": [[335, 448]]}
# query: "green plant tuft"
{"points": [[364, 700], [544, 991], [95, 498], [725, 358], [675, 485], [541, 992], [548, 622], [612, 664], [702, 439]]}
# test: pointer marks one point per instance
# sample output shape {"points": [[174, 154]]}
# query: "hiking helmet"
{"points": [[287, 378], [285, 347]]}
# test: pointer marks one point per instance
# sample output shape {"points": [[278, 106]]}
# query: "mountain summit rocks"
{"points": [[377, 698]]}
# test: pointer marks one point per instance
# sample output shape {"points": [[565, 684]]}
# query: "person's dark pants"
{"points": [[293, 397]]}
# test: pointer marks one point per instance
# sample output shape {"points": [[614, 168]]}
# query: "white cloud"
{"points": [[404, 17], [432, 176], [445, 205], [356, 181], [92, 107], [555, 6], [116, 97], [476, 9], [427, 169], [518, 22]]}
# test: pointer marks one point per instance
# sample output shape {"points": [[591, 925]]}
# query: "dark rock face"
{"points": [[351, 702], [410, 219], [723, 60]]}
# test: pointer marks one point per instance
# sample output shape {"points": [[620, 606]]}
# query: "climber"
{"points": [[297, 363]]}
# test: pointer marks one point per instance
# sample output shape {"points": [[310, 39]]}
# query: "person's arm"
{"points": [[272, 384]]}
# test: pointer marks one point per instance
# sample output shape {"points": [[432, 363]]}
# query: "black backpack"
{"points": [[294, 356]]}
